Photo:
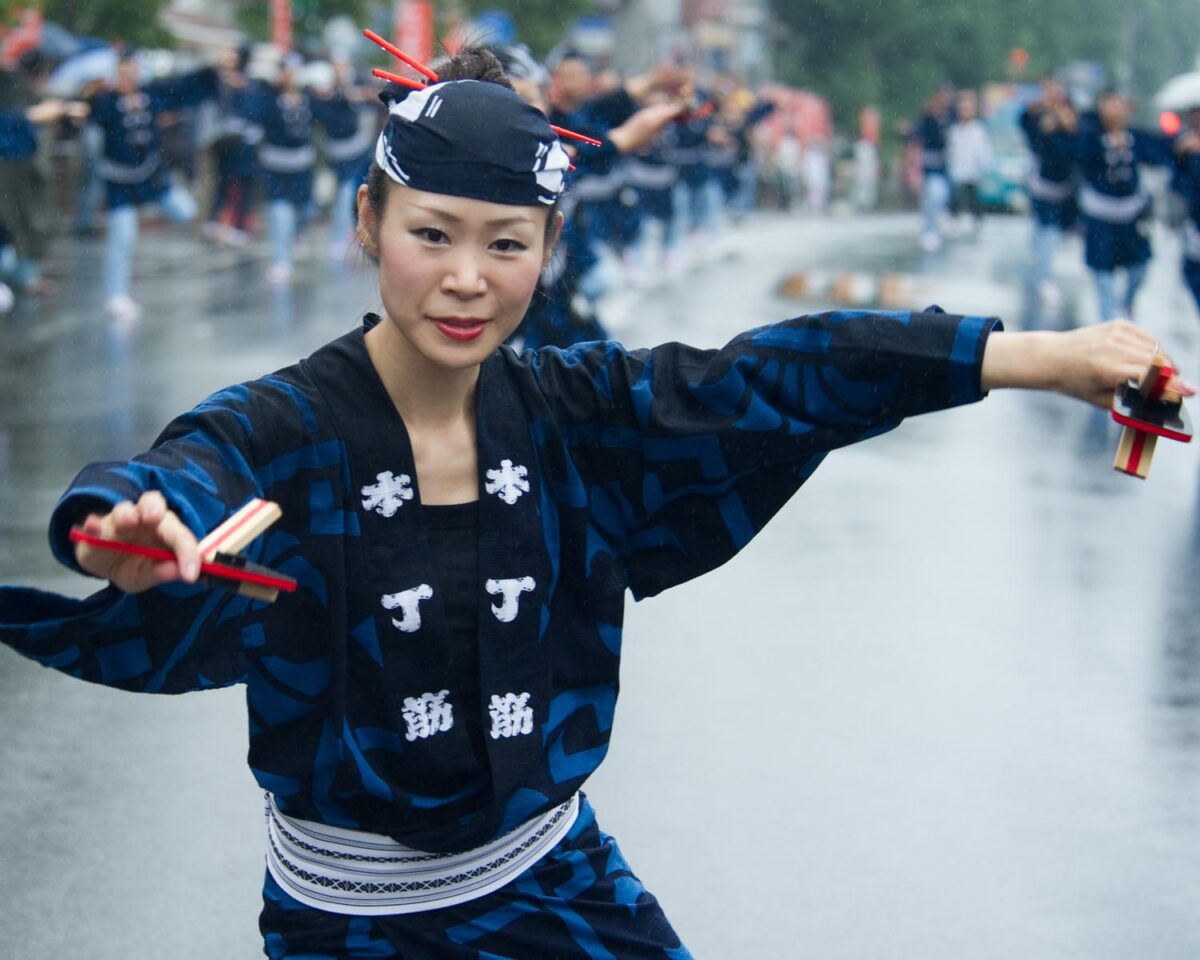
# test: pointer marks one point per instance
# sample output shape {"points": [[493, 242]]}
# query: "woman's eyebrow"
{"points": [[509, 221], [452, 218]]}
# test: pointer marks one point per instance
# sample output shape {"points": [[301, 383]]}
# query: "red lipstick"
{"points": [[461, 329]]}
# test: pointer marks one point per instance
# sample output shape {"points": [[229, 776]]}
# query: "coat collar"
{"points": [[395, 602]]}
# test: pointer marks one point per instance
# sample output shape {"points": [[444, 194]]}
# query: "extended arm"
{"points": [[175, 638], [688, 453], [1087, 363]]}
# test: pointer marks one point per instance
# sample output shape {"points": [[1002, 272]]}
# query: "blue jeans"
{"points": [[341, 217], [1106, 291], [176, 205], [696, 207], [91, 186], [282, 223], [1046, 238], [935, 199]]}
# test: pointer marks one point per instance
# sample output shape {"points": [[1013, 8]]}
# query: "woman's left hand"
{"points": [[1088, 363]]}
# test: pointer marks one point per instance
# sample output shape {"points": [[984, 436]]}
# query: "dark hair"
{"points": [[471, 63], [572, 54], [474, 63]]}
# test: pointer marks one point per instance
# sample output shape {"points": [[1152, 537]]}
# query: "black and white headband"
{"points": [[469, 138]]}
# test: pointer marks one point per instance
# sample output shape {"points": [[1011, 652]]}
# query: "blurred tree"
{"points": [[133, 21], [858, 52], [308, 17], [540, 23]]}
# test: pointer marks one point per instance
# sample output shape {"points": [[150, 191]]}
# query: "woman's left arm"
{"points": [[686, 454], [1087, 363]]}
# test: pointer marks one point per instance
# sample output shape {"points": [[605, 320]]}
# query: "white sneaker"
{"points": [[279, 274], [931, 242], [124, 309]]}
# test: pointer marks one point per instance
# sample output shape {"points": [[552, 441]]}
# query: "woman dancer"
{"points": [[287, 157], [463, 522], [1116, 209], [132, 167]]}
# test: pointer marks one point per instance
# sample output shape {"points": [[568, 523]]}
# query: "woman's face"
{"points": [[456, 275]]}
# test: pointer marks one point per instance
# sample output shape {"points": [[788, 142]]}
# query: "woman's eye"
{"points": [[508, 245], [430, 234]]}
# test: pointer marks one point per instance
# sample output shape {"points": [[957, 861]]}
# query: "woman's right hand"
{"points": [[150, 523]]}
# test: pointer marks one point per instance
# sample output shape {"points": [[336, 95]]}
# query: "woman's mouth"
{"points": [[460, 328]]}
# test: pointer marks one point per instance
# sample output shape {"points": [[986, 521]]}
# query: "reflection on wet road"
{"points": [[947, 705]]}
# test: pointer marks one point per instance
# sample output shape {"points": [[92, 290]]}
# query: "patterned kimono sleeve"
{"points": [[1186, 181], [1154, 148], [693, 451], [172, 638]]}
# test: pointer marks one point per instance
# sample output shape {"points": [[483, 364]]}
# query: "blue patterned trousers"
{"points": [[579, 902]]}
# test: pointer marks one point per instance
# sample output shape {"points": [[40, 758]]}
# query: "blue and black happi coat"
{"points": [[1115, 208], [601, 470], [132, 163]]}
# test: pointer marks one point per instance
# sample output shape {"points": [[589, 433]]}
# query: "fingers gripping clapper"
{"points": [[1148, 410]]}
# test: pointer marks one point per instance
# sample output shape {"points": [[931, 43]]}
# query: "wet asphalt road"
{"points": [[947, 705]]}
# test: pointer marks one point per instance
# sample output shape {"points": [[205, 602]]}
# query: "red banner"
{"points": [[413, 27], [281, 24]]}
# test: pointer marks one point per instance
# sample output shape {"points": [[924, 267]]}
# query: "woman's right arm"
{"points": [[200, 468], [148, 522], [180, 636]]}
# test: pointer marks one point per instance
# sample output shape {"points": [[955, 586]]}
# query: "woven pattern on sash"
{"points": [[365, 874]]}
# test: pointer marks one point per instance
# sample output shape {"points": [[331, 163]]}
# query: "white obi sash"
{"points": [[365, 874], [1110, 209]]}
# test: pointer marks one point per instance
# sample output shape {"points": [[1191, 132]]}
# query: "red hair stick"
{"points": [[396, 78], [400, 55]]}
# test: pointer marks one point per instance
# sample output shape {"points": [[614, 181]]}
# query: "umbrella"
{"points": [[100, 63], [1180, 94], [76, 72]]}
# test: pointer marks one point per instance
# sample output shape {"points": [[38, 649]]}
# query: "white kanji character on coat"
{"points": [[427, 714], [508, 483], [510, 590], [511, 715], [409, 604], [388, 495]]}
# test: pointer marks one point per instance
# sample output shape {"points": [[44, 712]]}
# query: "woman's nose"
{"points": [[465, 276]]}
